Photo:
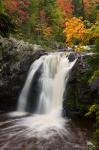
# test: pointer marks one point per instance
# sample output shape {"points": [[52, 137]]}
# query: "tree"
{"points": [[45, 15], [78, 8], [74, 30], [11, 5], [17, 10], [91, 9], [67, 7], [95, 30]]}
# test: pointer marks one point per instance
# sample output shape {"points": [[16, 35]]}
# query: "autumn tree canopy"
{"points": [[74, 29], [46, 19]]}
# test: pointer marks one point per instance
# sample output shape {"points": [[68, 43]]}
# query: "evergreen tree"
{"points": [[78, 8]]}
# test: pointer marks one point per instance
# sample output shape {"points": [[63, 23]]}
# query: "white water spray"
{"points": [[45, 128], [47, 120], [55, 74], [24, 94]]}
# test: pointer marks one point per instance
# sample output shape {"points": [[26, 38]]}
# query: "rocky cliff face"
{"points": [[15, 60], [81, 93]]}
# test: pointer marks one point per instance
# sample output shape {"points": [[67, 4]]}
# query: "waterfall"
{"points": [[53, 80], [44, 128], [25, 91]]}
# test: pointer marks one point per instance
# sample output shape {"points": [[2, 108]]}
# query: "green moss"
{"points": [[94, 110], [97, 45], [94, 76], [95, 139], [93, 72]]}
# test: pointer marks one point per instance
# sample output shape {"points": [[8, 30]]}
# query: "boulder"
{"points": [[37, 47], [72, 56]]}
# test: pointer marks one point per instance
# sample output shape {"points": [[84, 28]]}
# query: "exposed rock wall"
{"points": [[15, 60], [81, 94]]}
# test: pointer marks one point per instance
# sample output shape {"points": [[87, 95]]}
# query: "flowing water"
{"points": [[42, 128]]}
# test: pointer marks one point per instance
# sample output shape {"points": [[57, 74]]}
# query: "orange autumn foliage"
{"points": [[74, 29], [89, 6], [17, 10], [10, 5], [66, 7]]}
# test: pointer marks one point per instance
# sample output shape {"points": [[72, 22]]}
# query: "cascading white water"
{"points": [[55, 74], [46, 126], [47, 119], [56, 69], [24, 94], [53, 80]]}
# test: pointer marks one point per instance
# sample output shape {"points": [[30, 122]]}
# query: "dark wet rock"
{"points": [[95, 90], [95, 84], [15, 60], [80, 94], [72, 56], [62, 46], [59, 47]]}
